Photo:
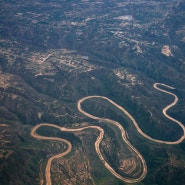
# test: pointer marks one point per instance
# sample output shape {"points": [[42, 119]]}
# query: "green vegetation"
{"points": [[52, 53]]}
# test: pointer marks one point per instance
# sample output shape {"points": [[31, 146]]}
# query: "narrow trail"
{"points": [[101, 134]]}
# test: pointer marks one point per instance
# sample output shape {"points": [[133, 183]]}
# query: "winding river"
{"points": [[101, 135]]}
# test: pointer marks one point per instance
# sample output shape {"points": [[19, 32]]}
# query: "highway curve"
{"points": [[100, 137]]}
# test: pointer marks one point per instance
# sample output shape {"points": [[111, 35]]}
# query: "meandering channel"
{"points": [[101, 134]]}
